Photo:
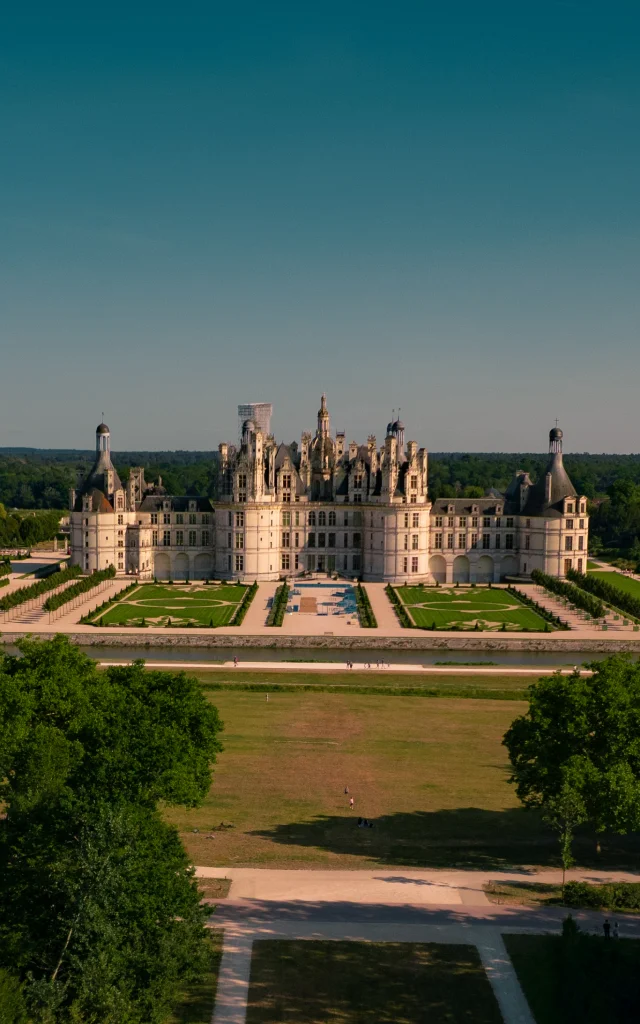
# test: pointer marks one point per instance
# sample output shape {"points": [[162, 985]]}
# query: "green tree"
{"points": [[12, 1006], [580, 742], [99, 912], [564, 813]]}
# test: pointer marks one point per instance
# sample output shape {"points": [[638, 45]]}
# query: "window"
{"points": [[461, 540], [346, 540], [568, 543], [508, 542], [357, 499], [332, 540], [528, 524], [228, 540], [449, 540], [450, 521], [405, 564], [229, 562], [192, 519], [120, 520], [357, 540], [437, 541], [239, 563], [311, 563], [415, 520], [414, 483], [312, 519], [286, 537], [285, 560], [296, 540], [154, 538], [239, 519], [355, 563], [579, 565], [357, 481], [406, 542], [154, 518], [438, 520], [286, 519], [527, 542], [286, 482], [166, 518], [120, 543], [322, 540], [498, 521], [414, 542], [497, 540], [120, 533], [414, 563], [581, 524], [179, 518], [569, 524], [583, 508], [463, 521], [311, 540], [509, 522], [322, 518], [580, 543], [346, 519], [474, 521], [179, 538], [239, 541], [570, 508], [332, 519], [206, 518], [166, 539], [205, 538], [567, 565], [406, 520], [486, 522], [296, 519], [242, 481], [474, 540], [192, 538], [296, 562], [486, 540]]}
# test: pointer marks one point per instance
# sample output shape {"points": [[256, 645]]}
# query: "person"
{"points": [[359, 822], [235, 661], [616, 930], [267, 698], [365, 823], [351, 802], [378, 663], [606, 927], [346, 791]]}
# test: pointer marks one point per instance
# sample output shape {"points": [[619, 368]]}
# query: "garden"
{"points": [[182, 604], [485, 608]]}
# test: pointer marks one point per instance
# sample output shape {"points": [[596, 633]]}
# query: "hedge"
{"points": [[279, 606], [544, 613], [4, 583], [589, 604], [400, 610], [365, 611], [612, 895], [25, 594], [99, 609], [5, 567], [81, 587], [244, 606], [606, 592]]}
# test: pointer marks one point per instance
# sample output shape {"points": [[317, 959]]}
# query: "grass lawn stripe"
{"points": [[616, 579]]}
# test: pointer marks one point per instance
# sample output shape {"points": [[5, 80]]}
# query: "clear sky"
{"points": [[425, 205]]}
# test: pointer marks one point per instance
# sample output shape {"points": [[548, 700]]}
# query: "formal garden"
{"points": [[176, 604], [470, 607]]}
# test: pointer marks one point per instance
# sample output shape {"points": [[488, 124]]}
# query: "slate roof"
{"points": [[561, 488], [155, 503], [97, 481]]}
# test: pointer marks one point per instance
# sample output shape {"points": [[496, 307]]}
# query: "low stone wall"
{"points": [[424, 642]]}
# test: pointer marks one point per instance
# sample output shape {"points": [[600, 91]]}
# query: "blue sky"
{"points": [[432, 206]]}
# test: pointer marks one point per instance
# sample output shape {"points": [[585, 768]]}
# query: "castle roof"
{"points": [[97, 481]]}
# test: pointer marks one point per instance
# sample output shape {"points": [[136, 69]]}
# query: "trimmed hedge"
{"points": [[544, 613], [100, 609], [589, 604], [25, 594], [243, 608], [365, 611], [612, 895], [606, 592], [81, 587], [4, 583], [403, 615], [5, 566], [279, 606]]}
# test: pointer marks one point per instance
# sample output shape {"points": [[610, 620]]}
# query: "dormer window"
{"points": [[192, 506], [166, 506], [499, 510], [450, 508], [570, 508]]}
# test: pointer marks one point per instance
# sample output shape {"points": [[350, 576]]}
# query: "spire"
{"points": [[323, 417]]}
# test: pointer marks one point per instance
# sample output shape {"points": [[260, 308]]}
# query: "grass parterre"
{"points": [[178, 604], [485, 608]]}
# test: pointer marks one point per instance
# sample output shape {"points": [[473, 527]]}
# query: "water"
{"points": [[195, 655]]}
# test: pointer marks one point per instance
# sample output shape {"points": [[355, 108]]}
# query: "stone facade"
{"points": [[326, 506]]}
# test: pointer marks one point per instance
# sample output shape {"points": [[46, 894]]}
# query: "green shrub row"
{"points": [[89, 618], [5, 566], [606, 592], [279, 606], [81, 587], [544, 613], [18, 597], [612, 895], [589, 604], [365, 611], [4, 583], [403, 615], [244, 606]]}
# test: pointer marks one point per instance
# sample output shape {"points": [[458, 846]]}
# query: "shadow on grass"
{"points": [[467, 837]]}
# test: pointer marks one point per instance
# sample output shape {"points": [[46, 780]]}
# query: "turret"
{"points": [[323, 418]]}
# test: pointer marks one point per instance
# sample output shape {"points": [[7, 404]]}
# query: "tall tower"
{"points": [[103, 438], [323, 418]]}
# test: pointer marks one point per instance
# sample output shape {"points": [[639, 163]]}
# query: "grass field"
{"points": [[314, 982], [616, 579], [464, 608], [213, 605]]}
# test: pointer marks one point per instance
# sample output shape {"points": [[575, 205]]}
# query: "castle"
{"points": [[326, 506]]}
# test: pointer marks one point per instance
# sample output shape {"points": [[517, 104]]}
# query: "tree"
{"points": [[564, 813], [99, 911], [580, 743]]}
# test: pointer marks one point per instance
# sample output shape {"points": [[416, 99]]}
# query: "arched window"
{"points": [[312, 519], [322, 518]]}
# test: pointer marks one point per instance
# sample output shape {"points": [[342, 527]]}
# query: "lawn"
{"points": [[489, 608], [616, 579], [589, 979], [315, 982], [178, 604]]}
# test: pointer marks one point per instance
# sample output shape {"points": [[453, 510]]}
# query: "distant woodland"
{"points": [[41, 479]]}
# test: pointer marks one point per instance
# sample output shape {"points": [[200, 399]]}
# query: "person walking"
{"points": [[616, 930], [351, 802], [235, 661], [606, 927], [267, 698], [346, 791]]}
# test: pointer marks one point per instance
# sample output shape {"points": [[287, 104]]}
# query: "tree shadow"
{"points": [[466, 838]]}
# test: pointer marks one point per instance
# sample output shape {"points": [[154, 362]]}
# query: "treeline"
{"points": [[18, 530], [24, 594], [574, 594], [606, 592]]}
